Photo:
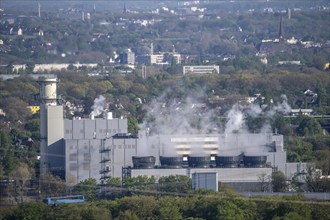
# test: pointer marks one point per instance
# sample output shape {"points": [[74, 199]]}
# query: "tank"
{"points": [[254, 161], [199, 161], [227, 161], [171, 161], [147, 162]]}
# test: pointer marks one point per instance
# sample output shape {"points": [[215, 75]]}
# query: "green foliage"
{"points": [[228, 210], [177, 183], [30, 211], [7, 156], [127, 215], [309, 126], [144, 207], [279, 183], [136, 185], [133, 126], [176, 208], [169, 209], [52, 185], [88, 188]]}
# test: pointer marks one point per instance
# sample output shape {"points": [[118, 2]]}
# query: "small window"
{"points": [[86, 156], [85, 166], [73, 157], [73, 167]]}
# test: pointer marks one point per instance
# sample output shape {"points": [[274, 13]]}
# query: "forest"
{"points": [[202, 205]]}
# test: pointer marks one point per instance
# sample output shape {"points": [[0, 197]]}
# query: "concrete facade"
{"points": [[100, 148], [200, 69], [97, 148]]}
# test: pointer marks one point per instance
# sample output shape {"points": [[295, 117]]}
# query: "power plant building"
{"points": [[100, 148]]}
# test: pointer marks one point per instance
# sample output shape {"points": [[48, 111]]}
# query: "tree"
{"points": [[309, 126], [7, 156], [88, 187], [169, 209], [144, 207], [127, 215], [140, 183], [15, 108], [177, 183], [133, 126], [264, 182], [314, 180], [31, 210], [50, 184], [29, 67], [21, 175], [114, 188], [229, 210], [279, 183], [10, 68]]}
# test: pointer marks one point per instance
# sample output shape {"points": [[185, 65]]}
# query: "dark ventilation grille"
{"points": [[227, 161], [147, 162], [199, 161], [254, 161], [171, 162]]}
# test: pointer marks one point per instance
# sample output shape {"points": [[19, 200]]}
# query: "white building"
{"points": [[201, 69]]}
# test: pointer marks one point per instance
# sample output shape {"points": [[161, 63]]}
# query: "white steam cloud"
{"points": [[236, 120], [98, 106], [192, 117], [280, 107]]}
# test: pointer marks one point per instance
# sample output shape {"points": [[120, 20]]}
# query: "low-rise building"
{"points": [[201, 69]]}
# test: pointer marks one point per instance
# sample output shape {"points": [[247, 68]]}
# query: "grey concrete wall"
{"points": [[55, 134]]}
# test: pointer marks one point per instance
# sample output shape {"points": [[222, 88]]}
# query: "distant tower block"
{"points": [[125, 9], [280, 31], [151, 48], [289, 13], [39, 8], [144, 72]]}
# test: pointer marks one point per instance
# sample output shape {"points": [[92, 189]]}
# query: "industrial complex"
{"points": [[100, 147]]}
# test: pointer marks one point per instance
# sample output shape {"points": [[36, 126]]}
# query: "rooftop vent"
{"points": [[147, 162], [199, 161], [171, 162]]}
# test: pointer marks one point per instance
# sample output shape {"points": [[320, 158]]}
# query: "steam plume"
{"points": [[98, 106]]}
